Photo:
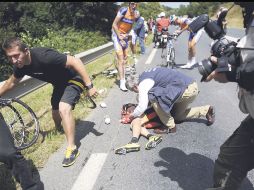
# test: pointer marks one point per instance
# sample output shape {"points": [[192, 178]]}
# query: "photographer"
{"points": [[236, 155]]}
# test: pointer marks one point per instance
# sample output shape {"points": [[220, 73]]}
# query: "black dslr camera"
{"points": [[221, 48], [224, 49]]}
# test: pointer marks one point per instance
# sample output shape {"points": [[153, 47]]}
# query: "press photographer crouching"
{"points": [[235, 63]]}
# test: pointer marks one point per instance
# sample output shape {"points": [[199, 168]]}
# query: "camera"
{"points": [[224, 49], [220, 48]]}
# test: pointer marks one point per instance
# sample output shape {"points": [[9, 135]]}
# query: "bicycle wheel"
{"points": [[163, 57], [22, 121]]}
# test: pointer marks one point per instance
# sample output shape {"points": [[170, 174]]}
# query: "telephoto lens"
{"points": [[205, 68]]}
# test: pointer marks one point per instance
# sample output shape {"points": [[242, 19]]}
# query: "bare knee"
{"points": [[125, 58], [64, 109]]}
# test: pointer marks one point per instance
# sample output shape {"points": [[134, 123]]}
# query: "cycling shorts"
{"points": [[196, 36], [68, 93], [118, 47]]}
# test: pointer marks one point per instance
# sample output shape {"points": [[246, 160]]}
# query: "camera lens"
{"points": [[206, 67]]}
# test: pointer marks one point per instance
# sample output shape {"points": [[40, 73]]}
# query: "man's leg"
{"points": [[57, 120], [138, 129], [68, 100], [166, 119], [180, 109], [236, 157], [193, 44], [133, 45], [65, 111], [120, 61], [133, 145], [191, 52], [142, 45], [14, 160], [55, 99]]}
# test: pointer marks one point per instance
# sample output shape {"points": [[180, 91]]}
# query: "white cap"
{"points": [[162, 14]]}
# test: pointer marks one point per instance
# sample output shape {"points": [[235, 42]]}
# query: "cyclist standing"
{"points": [[193, 39], [121, 27], [163, 22], [66, 73]]}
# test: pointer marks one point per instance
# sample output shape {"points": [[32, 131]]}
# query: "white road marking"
{"points": [[90, 172], [150, 58]]}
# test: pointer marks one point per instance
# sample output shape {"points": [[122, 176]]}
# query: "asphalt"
{"points": [[182, 161]]}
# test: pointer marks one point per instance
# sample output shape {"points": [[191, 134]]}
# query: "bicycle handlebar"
{"points": [[92, 101], [172, 36]]}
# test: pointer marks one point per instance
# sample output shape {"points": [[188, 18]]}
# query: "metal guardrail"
{"points": [[29, 84]]}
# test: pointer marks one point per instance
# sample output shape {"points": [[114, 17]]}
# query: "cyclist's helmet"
{"points": [[162, 14]]}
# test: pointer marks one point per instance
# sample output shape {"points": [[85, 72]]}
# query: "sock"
{"points": [[134, 140], [193, 61], [149, 135]]}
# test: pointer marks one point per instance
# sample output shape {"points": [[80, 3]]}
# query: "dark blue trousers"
{"points": [[236, 157]]}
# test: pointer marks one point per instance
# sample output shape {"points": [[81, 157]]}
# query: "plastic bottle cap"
{"points": [[103, 104]]}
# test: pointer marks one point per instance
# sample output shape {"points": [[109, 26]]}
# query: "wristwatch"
{"points": [[89, 86]]}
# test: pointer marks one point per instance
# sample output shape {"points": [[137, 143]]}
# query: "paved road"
{"points": [[183, 161]]}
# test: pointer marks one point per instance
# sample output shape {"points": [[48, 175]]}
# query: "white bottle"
{"points": [[107, 119]]}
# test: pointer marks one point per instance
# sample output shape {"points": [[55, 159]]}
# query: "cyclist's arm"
{"points": [[182, 30], [77, 65], [115, 27], [8, 84]]}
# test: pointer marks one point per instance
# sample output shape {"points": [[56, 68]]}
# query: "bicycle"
{"points": [[168, 59], [21, 120], [110, 72]]}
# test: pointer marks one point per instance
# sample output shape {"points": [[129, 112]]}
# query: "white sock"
{"points": [[193, 61], [122, 85]]}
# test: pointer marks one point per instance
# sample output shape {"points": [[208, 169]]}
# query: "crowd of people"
{"points": [[168, 92]]}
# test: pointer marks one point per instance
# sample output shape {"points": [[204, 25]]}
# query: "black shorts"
{"points": [[68, 93]]}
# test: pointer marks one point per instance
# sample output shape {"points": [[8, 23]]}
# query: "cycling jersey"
{"points": [[127, 20], [183, 22], [163, 22]]}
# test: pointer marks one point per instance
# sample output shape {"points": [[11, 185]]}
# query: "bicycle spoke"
{"points": [[22, 122]]}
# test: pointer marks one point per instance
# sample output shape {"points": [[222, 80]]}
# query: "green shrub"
{"points": [[67, 39]]}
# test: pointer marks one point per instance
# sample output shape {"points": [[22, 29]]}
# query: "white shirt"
{"points": [[143, 100]]}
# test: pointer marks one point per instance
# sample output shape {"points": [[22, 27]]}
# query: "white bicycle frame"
{"points": [[169, 49]]}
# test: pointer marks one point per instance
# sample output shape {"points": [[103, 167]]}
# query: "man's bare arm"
{"points": [[9, 84]]}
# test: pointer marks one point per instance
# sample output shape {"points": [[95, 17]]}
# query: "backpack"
{"points": [[198, 23]]}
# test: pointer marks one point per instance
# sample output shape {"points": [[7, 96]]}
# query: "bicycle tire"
{"points": [[22, 122], [163, 57], [172, 58]]}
